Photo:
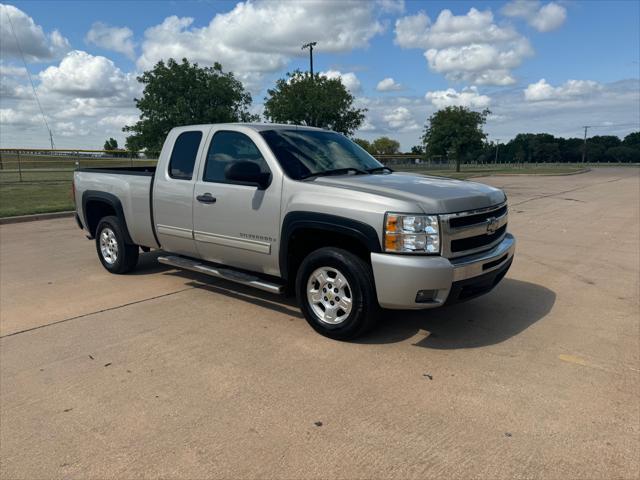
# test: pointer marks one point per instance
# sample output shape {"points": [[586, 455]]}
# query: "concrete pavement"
{"points": [[169, 374]]}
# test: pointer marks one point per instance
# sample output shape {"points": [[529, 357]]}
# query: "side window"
{"points": [[227, 148], [184, 154]]}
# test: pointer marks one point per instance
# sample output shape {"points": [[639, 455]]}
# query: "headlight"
{"points": [[411, 233]]}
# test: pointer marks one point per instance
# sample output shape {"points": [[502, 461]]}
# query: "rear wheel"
{"points": [[336, 292], [115, 254]]}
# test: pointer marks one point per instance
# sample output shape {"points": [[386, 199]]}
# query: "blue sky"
{"points": [[483, 54]]}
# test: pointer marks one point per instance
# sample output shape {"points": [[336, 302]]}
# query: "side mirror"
{"points": [[247, 173]]}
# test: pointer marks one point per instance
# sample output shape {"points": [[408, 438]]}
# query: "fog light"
{"points": [[425, 296]]}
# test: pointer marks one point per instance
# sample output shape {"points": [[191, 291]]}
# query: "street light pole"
{"points": [[497, 147], [310, 46]]}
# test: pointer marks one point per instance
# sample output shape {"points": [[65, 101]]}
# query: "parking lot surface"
{"points": [[169, 374]]}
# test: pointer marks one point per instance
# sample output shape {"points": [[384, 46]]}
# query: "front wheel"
{"points": [[337, 294], [114, 254]]}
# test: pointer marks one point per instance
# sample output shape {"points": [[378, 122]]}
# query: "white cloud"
{"points": [[606, 105], [84, 75], [610, 105], [482, 64], [391, 6], [398, 117], [35, 44], [542, 91], [10, 116], [12, 71], [118, 121], [349, 80], [543, 18], [260, 37], [12, 88], [367, 126], [418, 31], [469, 97], [71, 129], [469, 48], [401, 119], [118, 39], [85, 98], [388, 85]]}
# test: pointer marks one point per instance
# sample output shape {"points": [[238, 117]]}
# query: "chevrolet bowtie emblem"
{"points": [[492, 225]]}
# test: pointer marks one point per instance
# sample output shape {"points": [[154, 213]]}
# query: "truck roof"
{"points": [[255, 126]]}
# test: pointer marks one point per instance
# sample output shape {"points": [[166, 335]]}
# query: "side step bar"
{"points": [[225, 273]]}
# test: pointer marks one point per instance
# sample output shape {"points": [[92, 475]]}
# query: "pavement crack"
{"points": [[582, 187], [96, 312]]}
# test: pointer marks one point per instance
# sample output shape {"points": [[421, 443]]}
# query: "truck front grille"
{"points": [[475, 231], [474, 219], [478, 241]]}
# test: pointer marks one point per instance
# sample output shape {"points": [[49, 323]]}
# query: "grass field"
{"points": [[34, 197], [44, 191]]}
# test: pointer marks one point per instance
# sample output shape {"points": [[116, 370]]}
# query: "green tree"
{"points": [[623, 154], [110, 144], [316, 101], [184, 94], [455, 131], [385, 146], [570, 149], [632, 140], [417, 149], [607, 141], [547, 152], [366, 144]]}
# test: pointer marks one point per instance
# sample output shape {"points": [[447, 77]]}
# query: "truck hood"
{"points": [[432, 194]]}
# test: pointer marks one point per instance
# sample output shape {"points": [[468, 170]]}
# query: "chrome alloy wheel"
{"points": [[108, 246], [329, 295]]}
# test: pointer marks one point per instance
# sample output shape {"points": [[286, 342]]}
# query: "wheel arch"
{"points": [[97, 205], [303, 232]]}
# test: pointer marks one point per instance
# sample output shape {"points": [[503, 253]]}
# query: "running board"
{"points": [[224, 273]]}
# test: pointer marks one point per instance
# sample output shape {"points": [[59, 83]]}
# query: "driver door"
{"points": [[236, 224]]}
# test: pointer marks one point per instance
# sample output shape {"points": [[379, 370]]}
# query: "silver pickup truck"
{"points": [[288, 208]]}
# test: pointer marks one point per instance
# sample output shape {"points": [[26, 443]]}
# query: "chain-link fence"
{"points": [[32, 165], [410, 162]]}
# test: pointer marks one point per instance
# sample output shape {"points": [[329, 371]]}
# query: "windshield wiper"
{"points": [[335, 171], [379, 169]]}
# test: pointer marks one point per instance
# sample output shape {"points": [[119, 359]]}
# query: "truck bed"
{"points": [[129, 189]]}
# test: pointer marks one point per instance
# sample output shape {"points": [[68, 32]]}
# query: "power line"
{"points": [[35, 94], [617, 125]]}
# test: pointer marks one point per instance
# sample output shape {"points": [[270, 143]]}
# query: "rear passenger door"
{"points": [[173, 190], [237, 224]]}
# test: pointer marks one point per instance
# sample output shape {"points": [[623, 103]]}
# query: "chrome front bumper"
{"points": [[399, 278]]}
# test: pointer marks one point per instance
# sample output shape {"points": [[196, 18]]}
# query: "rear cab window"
{"points": [[184, 154]]}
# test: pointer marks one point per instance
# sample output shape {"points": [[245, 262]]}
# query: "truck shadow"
{"points": [[148, 264], [511, 308]]}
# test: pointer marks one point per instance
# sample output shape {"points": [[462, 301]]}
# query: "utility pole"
{"points": [[497, 147], [310, 46], [584, 145]]}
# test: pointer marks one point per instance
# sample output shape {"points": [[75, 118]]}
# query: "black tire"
{"points": [[126, 256], [361, 288]]}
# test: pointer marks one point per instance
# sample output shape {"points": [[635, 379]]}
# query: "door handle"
{"points": [[206, 198]]}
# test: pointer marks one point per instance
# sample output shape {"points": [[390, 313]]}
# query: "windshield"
{"points": [[305, 153]]}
